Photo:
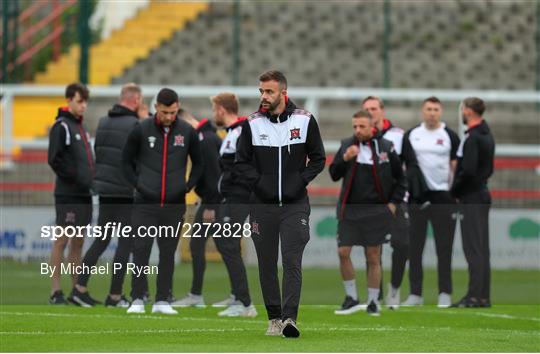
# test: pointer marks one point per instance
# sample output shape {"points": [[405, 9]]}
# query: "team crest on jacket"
{"points": [[178, 140], [295, 133], [383, 157], [439, 142], [152, 141], [255, 228]]}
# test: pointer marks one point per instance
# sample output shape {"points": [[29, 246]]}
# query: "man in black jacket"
{"points": [[474, 167], [115, 193], [70, 157], [372, 191], [154, 162], [400, 225], [429, 151], [275, 145]]}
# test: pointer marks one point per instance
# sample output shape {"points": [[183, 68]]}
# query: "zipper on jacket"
{"points": [[279, 170], [164, 167], [86, 147]]}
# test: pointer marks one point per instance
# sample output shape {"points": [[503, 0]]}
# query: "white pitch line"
{"points": [[234, 329], [470, 312], [446, 311], [131, 316]]}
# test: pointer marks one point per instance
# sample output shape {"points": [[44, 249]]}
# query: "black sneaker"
{"points": [[123, 302], [486, 303], [373, 309], [82, 299], [57, 298], [466, 302], [289, 329], [349, 306]]}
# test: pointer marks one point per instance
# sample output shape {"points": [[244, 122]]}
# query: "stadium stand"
{"points": [[439, 44]]}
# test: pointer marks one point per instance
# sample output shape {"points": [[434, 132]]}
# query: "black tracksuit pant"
{"points": [[117, 210], [270, 224], [440, 214], [153, 215], [228, 247], [400, 245], [475, 238]]}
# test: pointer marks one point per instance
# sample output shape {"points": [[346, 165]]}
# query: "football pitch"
{"points": [[27, 324]]}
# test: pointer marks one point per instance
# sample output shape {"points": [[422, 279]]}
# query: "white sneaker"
{"points": [[413, 300], [137, 306], [392, 299], [274, 327], [239, 310], [189, 300], [444, 300], [225, 303], [163, 307]]}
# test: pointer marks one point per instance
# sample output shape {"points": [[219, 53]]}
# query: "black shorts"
{"points": [[73, 210], [369, 231]]}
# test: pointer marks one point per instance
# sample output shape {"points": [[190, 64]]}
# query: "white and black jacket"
{"points": [[279, 155], [231, 185], [375, 176]]}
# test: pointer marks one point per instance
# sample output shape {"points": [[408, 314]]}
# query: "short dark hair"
{"points": [[167, 97], [362, 114], [72, 89], [432, 99], [378, 99], [274, 75], [476, 104]]}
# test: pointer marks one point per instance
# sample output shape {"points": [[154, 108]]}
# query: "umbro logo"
{"points": [[263, 137]]}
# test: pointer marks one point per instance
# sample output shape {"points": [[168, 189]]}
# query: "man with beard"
{"points": [[154, 162], [474, 167], [373, 186], [280, 151]]}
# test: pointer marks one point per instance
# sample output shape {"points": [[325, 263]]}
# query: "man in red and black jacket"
{"points": [[280, 151], [154, 162], [70, 157], [399, 240], [373, 187]]}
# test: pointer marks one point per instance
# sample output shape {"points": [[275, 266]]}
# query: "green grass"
{"points": [[26, 324]]}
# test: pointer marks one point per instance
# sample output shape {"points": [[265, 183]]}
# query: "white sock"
{"points": [[393, 291], [350, 288], [373, 294]]}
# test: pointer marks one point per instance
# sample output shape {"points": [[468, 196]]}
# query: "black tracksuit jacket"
{"points": [[207, 187], [475, 161], [384, 180], [231, 185], [154, 161], [70, 155], [279, 155]]}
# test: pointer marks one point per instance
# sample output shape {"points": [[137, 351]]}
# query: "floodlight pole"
{"points": [[386, 43], [84, 39], [236, 45]]}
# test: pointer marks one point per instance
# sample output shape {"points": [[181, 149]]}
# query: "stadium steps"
{"points": [[135, 40], [109, 58]]}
